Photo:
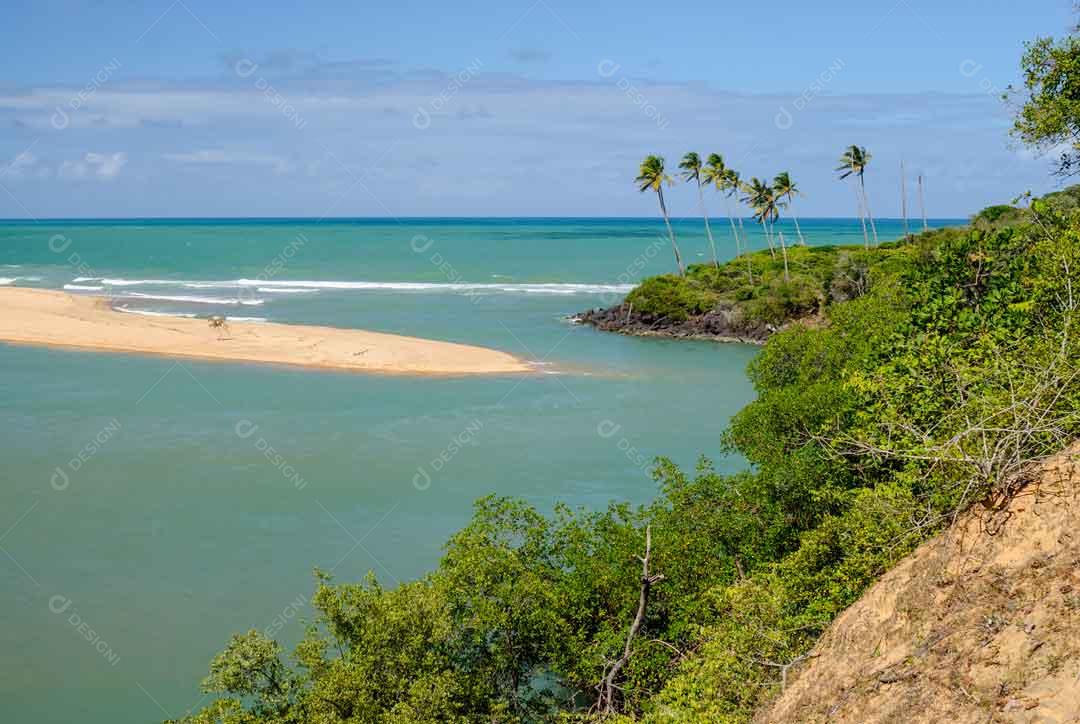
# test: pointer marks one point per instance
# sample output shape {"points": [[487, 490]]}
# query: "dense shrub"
{"points": [[672, 297], [755, 288]]}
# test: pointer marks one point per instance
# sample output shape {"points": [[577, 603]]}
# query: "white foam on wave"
{"points": [[245, 319], [4, 281], [138, 282], [538, 288], [149, 313], [126, 282], [82, 288], [296, 286], [117, 282], [195, 300], [551, 291]]}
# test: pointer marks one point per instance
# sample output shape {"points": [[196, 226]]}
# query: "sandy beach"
{"points": [[58, 319]]}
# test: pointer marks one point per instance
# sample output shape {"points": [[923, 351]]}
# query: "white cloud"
{"points": [[107, 166], [215, 156], [23, 165], [72, 170], [578, 140], [96, 165]]}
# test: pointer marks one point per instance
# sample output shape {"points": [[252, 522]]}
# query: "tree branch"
{"points": [[606, 702]]}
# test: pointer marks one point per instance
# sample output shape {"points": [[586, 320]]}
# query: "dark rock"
{"points": [[721, 325]]}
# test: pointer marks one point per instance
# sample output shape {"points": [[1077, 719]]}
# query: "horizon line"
{"points": [[322, 219]]}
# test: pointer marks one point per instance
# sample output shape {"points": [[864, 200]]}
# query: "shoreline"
{"points": [[53, 318]]}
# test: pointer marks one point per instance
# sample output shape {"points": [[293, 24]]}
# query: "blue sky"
{"points": [[542, 107]]}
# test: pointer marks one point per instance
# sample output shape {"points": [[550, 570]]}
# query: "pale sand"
{"points": [[53, 318]]}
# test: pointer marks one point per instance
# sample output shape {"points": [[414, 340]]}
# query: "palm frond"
{"points": [[691, 166], [651, 174]]}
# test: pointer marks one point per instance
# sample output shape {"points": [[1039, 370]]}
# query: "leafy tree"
{"points": [[1049, 117]]}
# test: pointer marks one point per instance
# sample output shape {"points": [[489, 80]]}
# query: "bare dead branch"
{"points": [[607, 702]]}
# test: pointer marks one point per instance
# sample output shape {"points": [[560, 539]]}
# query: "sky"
{"points": [[125, 108]]}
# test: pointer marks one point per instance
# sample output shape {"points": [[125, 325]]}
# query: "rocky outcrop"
{"points": [[720, 325]]}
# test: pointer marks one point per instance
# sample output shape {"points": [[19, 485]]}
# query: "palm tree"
{"points": [[854, 162], [760, 197], [734, 185], [786, 191], [718, 174], [651, 176], [770, 211], [692, 171], [729, 182]]}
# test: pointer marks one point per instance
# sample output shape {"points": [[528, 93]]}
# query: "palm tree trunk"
{"points": [[708, 229], [798, 230], [903, 200], [866, 202], [767, 226], [783, 246], [734, 231], [922, 205], [862, 218], [746, 246], [768, 237], [671, 233]]}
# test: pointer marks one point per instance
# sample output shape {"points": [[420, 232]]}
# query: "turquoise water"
{"points": [[149, 508]]}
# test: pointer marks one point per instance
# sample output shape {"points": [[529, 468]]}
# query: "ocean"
{"points": [[150, 507]]}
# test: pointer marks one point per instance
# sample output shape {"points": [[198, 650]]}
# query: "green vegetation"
{"points": [[944, 370], [802, 285], [992, 218]]}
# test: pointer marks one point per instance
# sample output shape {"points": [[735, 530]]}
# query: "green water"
{"points": [[194, 499]]}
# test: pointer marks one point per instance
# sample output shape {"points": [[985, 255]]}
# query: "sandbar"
{"points": [[58, 319]]}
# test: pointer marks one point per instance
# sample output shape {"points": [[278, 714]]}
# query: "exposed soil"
{"points": [[980, 624]]}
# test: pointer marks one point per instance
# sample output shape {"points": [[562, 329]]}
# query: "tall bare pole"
{"points": [[922, 204], [903, 199]]}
